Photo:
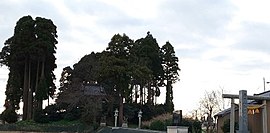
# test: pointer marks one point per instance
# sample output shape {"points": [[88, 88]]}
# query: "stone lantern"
{"points": [[140, 118], [115, 117]]}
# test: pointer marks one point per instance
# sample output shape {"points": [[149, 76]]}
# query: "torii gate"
{"points": [[243, 117]]}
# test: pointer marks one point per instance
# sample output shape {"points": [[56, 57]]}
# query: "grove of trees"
{"points": [[131, 72], [29, 56]]}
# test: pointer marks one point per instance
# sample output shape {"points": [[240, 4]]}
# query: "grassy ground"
{"points": [[59, 126]]}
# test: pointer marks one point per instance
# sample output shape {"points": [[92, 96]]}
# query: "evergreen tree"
{"points": [[26, 53], [87, 69], [71, 98], [170, 67], [125, 69], [148, 54], [115, 68]]}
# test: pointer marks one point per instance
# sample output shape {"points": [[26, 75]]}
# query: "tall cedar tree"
{"points": [[148, 52], [29, 55], [115, 68], [170, 67]]}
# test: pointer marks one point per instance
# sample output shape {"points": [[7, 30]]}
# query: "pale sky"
{"points": [[219, 43]]}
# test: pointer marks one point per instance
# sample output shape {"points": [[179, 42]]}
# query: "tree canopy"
{"points": [[170, 67], [130, 71], [25, 54]]}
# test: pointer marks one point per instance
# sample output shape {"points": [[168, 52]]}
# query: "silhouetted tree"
{"points": [[148, 55], [26, 53], [127, 70], [115, 68], [170, 67]]}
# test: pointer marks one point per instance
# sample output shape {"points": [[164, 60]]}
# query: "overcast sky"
{"points": [[219, 43]]}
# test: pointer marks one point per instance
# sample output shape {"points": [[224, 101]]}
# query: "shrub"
{"points": [[159, 122], [193, 125], [131, 112], [40, 117], [52, 113], [9, 116], [150, 111], [158, 125], [74, 114]]}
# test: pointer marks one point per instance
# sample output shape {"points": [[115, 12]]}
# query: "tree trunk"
{"points": [[30, 94], [149, 93], [169, 97], [144, 95], [121, 105], [25, 89], [153, 95], [167, 94], [36, 89], [39, 102], [141, 94], [131, 94], [136, 93]]}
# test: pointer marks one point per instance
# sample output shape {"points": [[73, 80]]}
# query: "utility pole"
{"points": [[263, 84]]}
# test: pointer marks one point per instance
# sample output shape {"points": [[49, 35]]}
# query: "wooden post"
{"points": [[232, 116]]}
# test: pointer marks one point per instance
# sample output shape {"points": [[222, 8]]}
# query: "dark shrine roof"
{"points": [[93, 90]]}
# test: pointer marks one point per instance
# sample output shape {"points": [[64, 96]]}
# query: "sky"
{"points": [[221, 44]]}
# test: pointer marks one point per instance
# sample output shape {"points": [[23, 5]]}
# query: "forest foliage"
{"points": [[29, 56], [131, 72]]}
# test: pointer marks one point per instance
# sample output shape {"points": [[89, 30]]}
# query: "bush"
{"points": [[52, 113], [9, 116], [150, 111], [131, 112], [40, 117], [158, 125], [193, 125], [74, 114]]}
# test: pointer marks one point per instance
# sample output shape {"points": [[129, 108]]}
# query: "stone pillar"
{"points": [[140, 118], [243, 121], [232, 116], [115, 117]]}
